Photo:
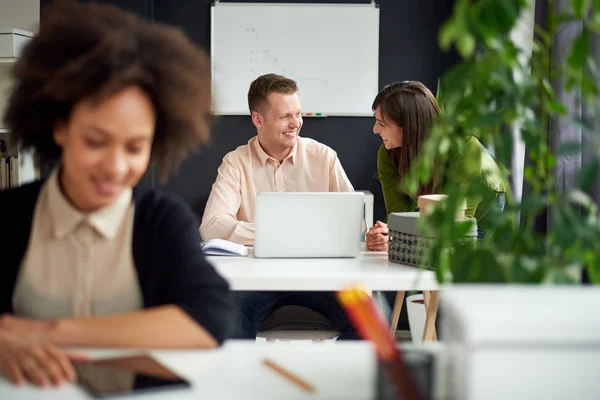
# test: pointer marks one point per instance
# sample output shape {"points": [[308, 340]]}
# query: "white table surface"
{"points": [[341, 370], [321, 274]]}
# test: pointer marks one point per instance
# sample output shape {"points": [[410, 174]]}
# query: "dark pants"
{"points": [[254, 307], [485, 224]]}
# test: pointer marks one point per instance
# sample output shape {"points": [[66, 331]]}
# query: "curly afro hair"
{"points": [[96, 50]]}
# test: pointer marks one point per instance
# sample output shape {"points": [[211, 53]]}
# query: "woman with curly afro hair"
{"points": [[90, 260]]}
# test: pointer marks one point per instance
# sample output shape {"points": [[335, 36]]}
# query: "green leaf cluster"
{"points": [[498, 89]]}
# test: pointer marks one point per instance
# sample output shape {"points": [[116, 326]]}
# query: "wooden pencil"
{"points": [[289, 375]]}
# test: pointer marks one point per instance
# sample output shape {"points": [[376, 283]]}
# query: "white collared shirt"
{"points": [[77, 264], [248, 170]]}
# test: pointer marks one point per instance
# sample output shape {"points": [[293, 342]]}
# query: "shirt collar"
{"points": [[264, 157], [106, 221]]}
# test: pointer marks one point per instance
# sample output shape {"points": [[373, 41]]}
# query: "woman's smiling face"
{"points": [[390, 132]]}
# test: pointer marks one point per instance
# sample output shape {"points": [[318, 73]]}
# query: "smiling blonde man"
{"points": [[277, 159]]}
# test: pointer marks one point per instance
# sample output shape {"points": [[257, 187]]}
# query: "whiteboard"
{"points": [[330, 50]]}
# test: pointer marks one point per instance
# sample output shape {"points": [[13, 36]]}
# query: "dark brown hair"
{"points": [[411, 106], [94, 50], [265, 85]]}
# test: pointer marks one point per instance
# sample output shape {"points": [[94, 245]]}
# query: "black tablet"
{"points": [[126, 375]]}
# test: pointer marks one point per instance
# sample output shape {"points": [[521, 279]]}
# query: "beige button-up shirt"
{"points": [[248, 170], [77, 264]]}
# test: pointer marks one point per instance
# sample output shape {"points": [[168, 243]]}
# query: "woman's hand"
{"points": [[30, 356], [377, 237]]}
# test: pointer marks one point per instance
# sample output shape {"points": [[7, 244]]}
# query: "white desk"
{"points": [[330, 274], [321, 274], [343, 370]]}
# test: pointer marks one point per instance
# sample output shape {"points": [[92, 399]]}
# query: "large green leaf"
{"points": [[453, 28], [588, 174], [498, 16], [557, 108], [448, 33], [581, 7], [593, 270], [465, 45], [582, 199], [580, 50], [532, 204]]}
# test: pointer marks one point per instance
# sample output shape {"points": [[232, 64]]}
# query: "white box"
{"points": [[12, 42], [521, 342]]}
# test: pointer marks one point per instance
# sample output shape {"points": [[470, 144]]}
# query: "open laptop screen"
{"points": [[308, 224]]}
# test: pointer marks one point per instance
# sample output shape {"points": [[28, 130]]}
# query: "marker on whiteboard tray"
{"points": [[314, 114]]}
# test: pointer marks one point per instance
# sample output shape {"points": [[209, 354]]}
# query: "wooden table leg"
{"points": [[426, 298], [396, 311], [432, 300]]}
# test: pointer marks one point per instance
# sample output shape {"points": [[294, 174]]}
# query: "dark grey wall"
{"points": [[408, 51]]}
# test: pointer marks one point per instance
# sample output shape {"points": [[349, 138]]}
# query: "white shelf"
{"points": [[12, 42]]}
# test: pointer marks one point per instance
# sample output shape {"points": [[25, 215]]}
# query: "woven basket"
{"points": [[407, 245]]}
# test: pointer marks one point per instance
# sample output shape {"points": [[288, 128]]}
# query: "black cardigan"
{"points": [[170, 265]]}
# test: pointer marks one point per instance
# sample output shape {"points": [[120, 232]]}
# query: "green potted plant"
{"points": [[488, 93]]}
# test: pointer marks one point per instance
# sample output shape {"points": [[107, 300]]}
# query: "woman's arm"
{"points": [[388, 177], [467, 172], [174, 272], [165, 327]]}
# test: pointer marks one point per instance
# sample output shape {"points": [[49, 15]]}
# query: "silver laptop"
{"points": [[308, 224]]}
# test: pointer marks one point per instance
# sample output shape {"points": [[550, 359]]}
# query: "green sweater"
{"points": [[476, 161]]}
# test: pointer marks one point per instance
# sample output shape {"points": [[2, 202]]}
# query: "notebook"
{"points": [[220, 247]]}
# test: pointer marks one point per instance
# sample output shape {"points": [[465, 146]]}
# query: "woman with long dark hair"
{"points": [[404, 114]]}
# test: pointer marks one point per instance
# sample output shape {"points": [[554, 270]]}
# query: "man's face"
{"points": [[279, 124]]}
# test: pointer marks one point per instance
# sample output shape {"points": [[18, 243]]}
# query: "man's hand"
{"points": [[377, 237], [26, 353]]}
